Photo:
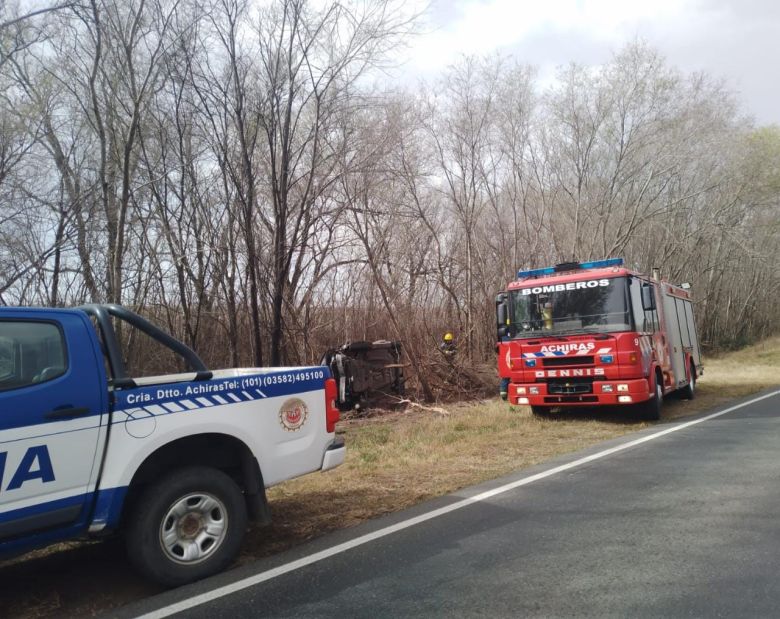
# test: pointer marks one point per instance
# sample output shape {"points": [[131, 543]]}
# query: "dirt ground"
{"points": [[395, 459]]}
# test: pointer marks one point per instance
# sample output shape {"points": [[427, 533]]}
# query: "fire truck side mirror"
{"points": [[648, 298], [502, 313]]}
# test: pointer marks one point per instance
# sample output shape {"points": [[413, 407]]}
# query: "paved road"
{"points": [[684, 524]]}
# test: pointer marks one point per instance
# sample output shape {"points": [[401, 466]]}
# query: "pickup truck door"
{"points": [[53, 415]]}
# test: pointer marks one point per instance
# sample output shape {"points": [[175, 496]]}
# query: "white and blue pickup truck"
{"points": [[178, 464]]}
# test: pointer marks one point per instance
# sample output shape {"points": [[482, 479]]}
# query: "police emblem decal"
{"points": [[293, 414]]}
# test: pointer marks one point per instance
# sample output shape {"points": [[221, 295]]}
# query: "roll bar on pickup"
{"points": [[102, 313]]}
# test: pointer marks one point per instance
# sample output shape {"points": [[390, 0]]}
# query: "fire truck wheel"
{"points": [[689, 391], [651, 410]]}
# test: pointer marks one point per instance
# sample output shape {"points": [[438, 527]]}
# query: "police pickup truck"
{"points": [[176, 463]]}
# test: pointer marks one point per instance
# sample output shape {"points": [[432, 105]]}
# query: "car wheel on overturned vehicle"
{"points": [[188, 525]]}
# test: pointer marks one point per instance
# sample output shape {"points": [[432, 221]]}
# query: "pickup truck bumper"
{"points": [[604, 393], [334, 455]]}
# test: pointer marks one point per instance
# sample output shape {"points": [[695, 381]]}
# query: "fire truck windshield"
{"points": [[592, 306]]}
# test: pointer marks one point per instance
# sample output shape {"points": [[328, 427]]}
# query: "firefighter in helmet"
{"points": [[447, 345], [547, 313]]}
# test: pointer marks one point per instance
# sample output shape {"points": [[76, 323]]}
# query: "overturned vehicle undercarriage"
{"points": [[365, 372]]}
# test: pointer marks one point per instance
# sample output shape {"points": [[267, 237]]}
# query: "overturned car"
{"points": [[365, 372]]}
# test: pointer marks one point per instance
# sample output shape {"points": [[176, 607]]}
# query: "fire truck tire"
{"points": [[651, 410], [689, 391], [188, 525]]}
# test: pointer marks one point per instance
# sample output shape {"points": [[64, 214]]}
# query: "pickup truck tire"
{"points": [[186, 526]]}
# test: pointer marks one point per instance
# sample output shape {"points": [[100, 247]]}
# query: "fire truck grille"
{"points": [[570, 399], [565, 387], [554, 362]]}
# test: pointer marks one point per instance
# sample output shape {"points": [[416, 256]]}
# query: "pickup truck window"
{"points": [[30, 353]]}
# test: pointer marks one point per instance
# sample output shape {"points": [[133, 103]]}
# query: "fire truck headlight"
{"points": [[521, 390], [606, 388], [522, 400], [606, 358], [632, 357], [622, 387], [624, 398], [531, 363], [533, 390]]}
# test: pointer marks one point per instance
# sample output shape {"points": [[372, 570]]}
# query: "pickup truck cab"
{"points": [[177, 463]]}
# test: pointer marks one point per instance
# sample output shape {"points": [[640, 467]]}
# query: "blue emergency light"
{"points": [[536, 272], [602, 264], [571, 266]]}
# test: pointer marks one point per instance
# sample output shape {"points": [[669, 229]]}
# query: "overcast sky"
{"points": [[738, 40]]}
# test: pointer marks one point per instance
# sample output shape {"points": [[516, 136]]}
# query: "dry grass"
{"points": [[394, 460], [733, 375]]}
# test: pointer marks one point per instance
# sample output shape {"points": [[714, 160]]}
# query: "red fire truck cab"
{"points": [[595, 334]]}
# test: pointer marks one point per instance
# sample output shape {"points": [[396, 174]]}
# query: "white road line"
{"points": [[250, 581]]}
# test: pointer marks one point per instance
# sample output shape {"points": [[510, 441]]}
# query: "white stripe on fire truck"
{"points": [[560, 353]]}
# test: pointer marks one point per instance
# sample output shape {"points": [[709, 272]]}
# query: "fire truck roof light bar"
{"points": [[570, 266]]}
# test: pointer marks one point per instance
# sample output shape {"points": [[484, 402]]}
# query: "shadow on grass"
{"points": [[619, 415], [81, 579], [675, 407]]}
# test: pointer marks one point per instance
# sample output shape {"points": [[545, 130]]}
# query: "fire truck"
{"points": [[595, 334]]}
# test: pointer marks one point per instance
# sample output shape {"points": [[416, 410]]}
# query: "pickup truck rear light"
{"points": [[332, 414]]}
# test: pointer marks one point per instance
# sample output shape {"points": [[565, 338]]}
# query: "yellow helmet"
{"points": [[448, 337]]}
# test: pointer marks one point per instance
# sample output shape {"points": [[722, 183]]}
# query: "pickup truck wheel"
{"points": [[187, 526]]}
